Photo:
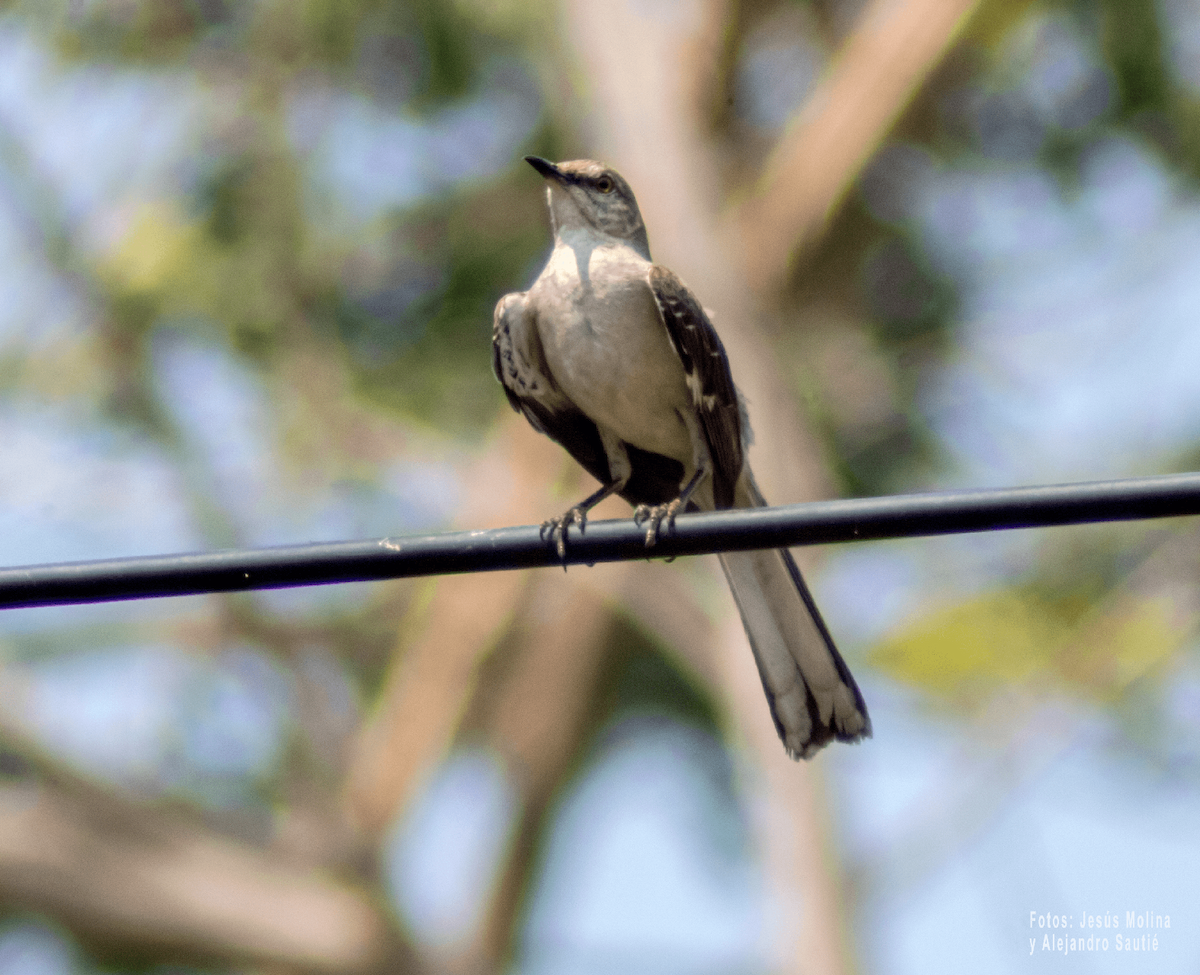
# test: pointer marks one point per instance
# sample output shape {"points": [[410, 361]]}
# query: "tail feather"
{"points": [[812, 694]]}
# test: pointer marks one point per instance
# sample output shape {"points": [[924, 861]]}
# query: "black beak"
{"points": [[547, 169]]}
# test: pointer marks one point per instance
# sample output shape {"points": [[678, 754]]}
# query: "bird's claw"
{"points": [[654, 516], [556, 529]]}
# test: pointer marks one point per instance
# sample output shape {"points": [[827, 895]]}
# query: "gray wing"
{"points": [[520, 365], [708, 377]]}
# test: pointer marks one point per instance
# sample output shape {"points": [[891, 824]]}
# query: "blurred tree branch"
{"points": [[889, 54], [145, 880], [435, 663]]}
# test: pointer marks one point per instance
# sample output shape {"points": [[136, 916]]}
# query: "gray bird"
{"points": [[613, 357]]}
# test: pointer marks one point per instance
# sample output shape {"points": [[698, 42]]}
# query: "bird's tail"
{"points": [[810, 689]]}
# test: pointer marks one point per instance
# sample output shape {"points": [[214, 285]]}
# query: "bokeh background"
{"points": [[248, 257]]}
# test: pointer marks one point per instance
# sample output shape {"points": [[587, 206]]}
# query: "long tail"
{"points": [[810, 689]]}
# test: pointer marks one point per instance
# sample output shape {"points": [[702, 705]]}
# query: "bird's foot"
{"points": [[654, 516], [556, 529]]}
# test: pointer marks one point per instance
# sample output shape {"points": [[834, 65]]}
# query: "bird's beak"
{"points": [[548, 169]]}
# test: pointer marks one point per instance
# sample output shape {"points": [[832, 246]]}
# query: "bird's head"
{"points": [[586, 194]]}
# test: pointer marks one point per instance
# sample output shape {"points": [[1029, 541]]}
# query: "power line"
{"points": [[822, 522]]}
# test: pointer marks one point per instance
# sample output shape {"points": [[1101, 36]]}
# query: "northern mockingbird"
{"points": [[612, 356]]}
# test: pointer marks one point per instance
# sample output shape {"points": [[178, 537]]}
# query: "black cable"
{"points": [[604, 541]]}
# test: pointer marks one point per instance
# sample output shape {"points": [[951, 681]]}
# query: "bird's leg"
{"points": [[655, 515], [556, 528], [702, 462], [619, 472]]}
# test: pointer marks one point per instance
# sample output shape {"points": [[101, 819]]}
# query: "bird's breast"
{"points": [[608, 349]]}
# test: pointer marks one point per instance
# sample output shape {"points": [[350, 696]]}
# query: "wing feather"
{"points": [[708, 377]]}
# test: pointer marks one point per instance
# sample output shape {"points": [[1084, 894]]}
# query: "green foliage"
{"points": [[993, 19], [641, 678], [966, 651], [486, 240], [1134, 47], [449, 47]]}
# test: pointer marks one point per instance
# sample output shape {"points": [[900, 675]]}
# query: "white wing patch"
{"points": [[695, 386]]}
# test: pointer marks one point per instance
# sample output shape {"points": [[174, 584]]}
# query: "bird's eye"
{"points": [[604, 184]]}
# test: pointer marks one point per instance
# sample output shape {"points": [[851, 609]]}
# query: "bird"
{"points": [[613, 357]]}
